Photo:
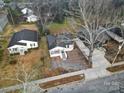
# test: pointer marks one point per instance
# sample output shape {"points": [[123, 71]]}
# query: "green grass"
{"points": [[56, 27], [46, 58]]}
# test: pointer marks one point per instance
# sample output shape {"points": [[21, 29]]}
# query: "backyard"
{"points": [[56, 28]]}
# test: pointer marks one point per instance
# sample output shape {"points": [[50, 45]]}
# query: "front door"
{"points": [[22, 51]]}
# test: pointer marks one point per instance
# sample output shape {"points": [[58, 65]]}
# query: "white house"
{"points": [[2, 4], [27, 11], [59, 45], [32, 18], [22, 41]]}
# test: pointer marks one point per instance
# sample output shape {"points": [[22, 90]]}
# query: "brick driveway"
{"points": [[75, 61]]}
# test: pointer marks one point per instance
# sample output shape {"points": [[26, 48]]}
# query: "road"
{"points": [[111, 84]]}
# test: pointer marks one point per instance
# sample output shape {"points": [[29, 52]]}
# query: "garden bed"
{"points": [[116, 68], [61, 81]]}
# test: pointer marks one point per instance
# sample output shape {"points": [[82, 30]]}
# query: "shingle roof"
{"points": [[61, 40], [117, 31], [51, 41], [24, 34]]}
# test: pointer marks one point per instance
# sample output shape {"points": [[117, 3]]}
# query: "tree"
{"points": [[44, 10], [49, 11], [23, 76], [94, 18]]}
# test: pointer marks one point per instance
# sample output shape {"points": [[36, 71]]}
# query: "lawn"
{"points": [[36, 60], [9, 30], [56, 28]]}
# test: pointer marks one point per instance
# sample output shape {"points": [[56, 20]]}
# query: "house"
{"points": [[31, 18], [3, 21], [22, 41], [27, 11], [28, 14], [59, 45], [116, 34], [2, 4]]}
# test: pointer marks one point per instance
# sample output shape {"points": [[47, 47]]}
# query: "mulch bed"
{"points": [[61, 81], [111, 51], [116, 68]]}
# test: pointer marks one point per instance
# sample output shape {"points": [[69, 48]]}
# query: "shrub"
{"points": [[13, 62]]}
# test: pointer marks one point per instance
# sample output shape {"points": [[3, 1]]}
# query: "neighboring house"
{"points": [[28, 14], [3, 21], [2, 4], [31, 18], [59, 45], [22, 41], [116, 34], [27, 11]]}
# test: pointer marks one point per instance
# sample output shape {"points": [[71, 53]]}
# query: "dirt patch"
{"points": [[116, 68], [61, 81], [111, 51]]}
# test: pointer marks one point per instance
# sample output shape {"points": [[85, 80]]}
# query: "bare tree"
{"points": [[46, 11], [94, 17], [23, 76]]}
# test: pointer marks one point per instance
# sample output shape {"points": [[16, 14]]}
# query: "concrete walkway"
{"points": [[98, 58]]}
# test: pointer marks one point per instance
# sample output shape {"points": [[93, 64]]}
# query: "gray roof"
{"points": [[61, 40], [51, 41], [24, 34]]}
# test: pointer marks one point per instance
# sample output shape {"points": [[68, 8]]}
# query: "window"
{"points": [[15, 49], [55, 52], [9, 49], [67, 46], [34, 44], [31, 45]]}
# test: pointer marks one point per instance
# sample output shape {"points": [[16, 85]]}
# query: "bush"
{"points": [[13, 62]]}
